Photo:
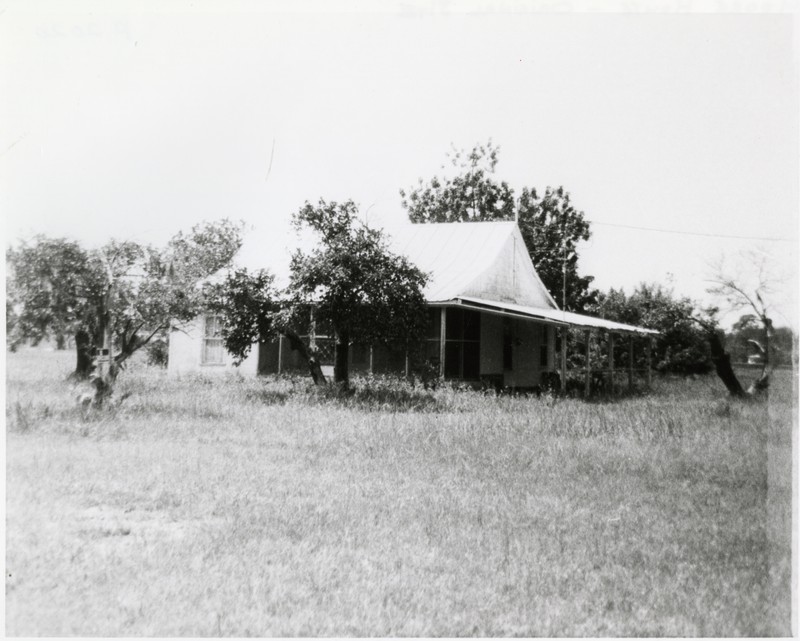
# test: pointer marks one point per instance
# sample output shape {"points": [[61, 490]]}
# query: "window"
{"points": [[213, 351], [544, 352]]}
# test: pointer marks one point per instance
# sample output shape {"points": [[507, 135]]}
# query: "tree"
{"points": [[551, 227], [680, 347], [253, 311], [353, 284], [746, 339], [52, 291], [350, 283], [117, 297], [471, 195], [246, 303], [747, 290], [746, 286]]}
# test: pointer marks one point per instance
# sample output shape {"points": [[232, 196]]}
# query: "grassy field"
{"points": [[255, 507]]}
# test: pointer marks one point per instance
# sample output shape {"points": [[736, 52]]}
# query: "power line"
{"points": [[695, 233]]}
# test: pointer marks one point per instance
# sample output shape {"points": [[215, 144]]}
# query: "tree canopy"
{"points": [[550, 224], [681, 345], [349, 284], [746, 340], [354, 283], [552, 229], [247, 303], [124, 289], [472, 194], [51, 288]]}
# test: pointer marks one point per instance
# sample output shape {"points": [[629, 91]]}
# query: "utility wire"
{"points": [[694, 233]]}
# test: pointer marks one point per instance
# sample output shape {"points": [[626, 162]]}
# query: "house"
{"points": [[491, 317]]}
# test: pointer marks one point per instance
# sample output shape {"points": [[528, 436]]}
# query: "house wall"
{"points": [[186, 349], [525, 355]]}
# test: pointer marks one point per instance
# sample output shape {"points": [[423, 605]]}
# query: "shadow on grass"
{"points": [[267, 396], [383, 396], [369, 393]]}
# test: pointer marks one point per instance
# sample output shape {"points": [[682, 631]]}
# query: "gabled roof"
{"points": [[481, 259], [485, 265]]}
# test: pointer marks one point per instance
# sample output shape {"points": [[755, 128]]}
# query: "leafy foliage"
{"points": [[206, 249], [550, 224], [52, 285], [134, 290], [747, 334], [158, 351], [247, 303], [354, 284], [681, 346], [473, 194], [552, 229]]}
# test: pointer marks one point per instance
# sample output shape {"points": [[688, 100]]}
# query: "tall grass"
{"points": [[263, 507]]}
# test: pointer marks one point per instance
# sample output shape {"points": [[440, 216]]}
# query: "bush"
{"points": [[158, 352]]}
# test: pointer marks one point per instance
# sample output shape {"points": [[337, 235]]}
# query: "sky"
{"points": [[146, 119]]}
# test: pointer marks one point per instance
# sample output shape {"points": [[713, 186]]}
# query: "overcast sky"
{"points": [[140, 122]]}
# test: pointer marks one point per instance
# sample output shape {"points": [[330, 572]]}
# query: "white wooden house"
{"points": [[491, 317]]}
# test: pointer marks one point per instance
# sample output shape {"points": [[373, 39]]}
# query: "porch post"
{"points": [[280, 353], [564, 340], [611, 361], [442, 338], [630, 362], [649, 361], [370, 359], [587, 334]]}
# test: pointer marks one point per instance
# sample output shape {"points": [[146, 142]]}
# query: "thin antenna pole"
{"points": [[563, 261]]}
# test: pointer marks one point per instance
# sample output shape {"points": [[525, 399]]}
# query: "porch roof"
{"points": [[550, 316]]}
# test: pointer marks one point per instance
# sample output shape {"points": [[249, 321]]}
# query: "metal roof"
{"points": [[485, 265], [472, 258], [480, 264], [553, 316]]}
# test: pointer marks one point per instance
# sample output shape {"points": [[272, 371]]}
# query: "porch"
{"points": [[500, 345]]}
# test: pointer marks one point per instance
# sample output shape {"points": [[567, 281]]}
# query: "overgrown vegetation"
{"points": [[349, 285], [265, 507], [118, 297], [681, 346]]}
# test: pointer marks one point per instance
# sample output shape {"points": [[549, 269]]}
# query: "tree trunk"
{"points": [[341, 372], [105, 369], [722, 364], [83, 349], [61, 342], [296, 344], [762, 383]]}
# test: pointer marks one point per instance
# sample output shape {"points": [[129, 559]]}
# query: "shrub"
{"points": [[158, 352]]}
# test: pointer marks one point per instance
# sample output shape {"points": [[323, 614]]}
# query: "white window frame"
{"points": [[217, 356]]}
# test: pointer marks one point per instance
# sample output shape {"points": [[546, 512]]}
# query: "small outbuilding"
{"points": [[492, 321]]}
